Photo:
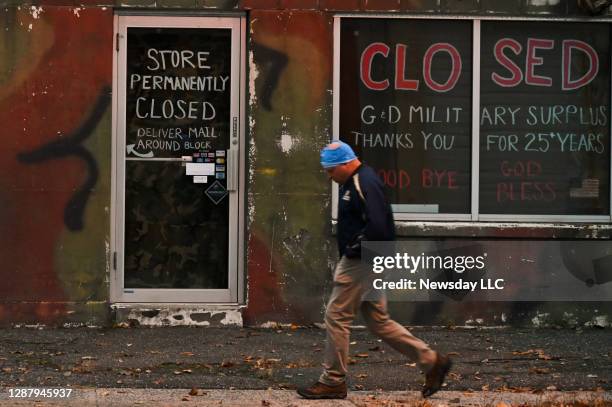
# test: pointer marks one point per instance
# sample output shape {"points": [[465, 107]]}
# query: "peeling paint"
{"points": [[286, 143], [599, 321], [232, 318], [253, 74], [540, 320], [36, 11], [534, 225], [107, 252], [178, 316]]}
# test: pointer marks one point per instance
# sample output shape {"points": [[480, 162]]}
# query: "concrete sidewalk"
{"points": [[113, 397]]}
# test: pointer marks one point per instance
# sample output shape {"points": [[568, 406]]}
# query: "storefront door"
{"points": [[177, 159]]}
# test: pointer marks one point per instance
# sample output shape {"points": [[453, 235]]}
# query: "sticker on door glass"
{"points": [[216, 192]]}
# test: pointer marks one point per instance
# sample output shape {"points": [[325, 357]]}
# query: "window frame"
{"points": [[474, 216]]}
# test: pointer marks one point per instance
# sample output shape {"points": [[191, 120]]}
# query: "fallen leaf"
{"points": [[197, 392], [362, 355], [539, 370], [186, 353], [539, 353], [362, 376], [358, 387], [485, 387], [455, 376], [551, 388], [265, 403], [453, 354], [226, 364]]}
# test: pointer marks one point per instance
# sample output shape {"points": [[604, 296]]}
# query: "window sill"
{"points": [[533, 230], [513, 230]]}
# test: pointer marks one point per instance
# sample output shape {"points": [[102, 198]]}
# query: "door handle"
{"points": [[233, 165]]}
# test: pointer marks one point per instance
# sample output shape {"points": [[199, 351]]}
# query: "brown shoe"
{"points": [[435, 377], [323, 391]]}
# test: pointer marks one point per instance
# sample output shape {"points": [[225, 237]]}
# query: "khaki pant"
{"points": [[351, 285]]}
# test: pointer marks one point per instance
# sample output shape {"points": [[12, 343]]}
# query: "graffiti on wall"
{"points": [[55, 80], [71, 146]]}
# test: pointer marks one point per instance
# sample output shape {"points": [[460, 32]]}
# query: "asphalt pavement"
{"points": [[487, 361]]}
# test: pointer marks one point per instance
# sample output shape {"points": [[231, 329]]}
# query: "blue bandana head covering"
{"points": [[342, 153]]}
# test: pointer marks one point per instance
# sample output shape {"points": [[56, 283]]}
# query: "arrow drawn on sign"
{"points": [[131, 150]]}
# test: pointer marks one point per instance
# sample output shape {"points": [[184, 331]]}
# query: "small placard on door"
{"points": [[200, 169], [200, 179]]}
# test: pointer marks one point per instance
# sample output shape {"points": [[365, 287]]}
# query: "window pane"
{"points": [[177, 90], [405, 106], [175, 235], [545, 111]]}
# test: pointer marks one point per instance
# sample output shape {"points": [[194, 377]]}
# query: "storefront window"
{"points": [[526, 134], [405, 106], [544, 118]]}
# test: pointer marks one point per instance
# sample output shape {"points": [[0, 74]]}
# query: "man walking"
{"points": [[363, 214]]}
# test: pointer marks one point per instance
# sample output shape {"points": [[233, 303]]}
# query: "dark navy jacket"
{"points": [[356, 221]]}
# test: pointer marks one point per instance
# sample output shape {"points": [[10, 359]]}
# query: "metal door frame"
{"points": [[234, 294]]}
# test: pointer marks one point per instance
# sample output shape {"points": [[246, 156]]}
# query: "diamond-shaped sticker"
{"points": [[216, 192]]}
